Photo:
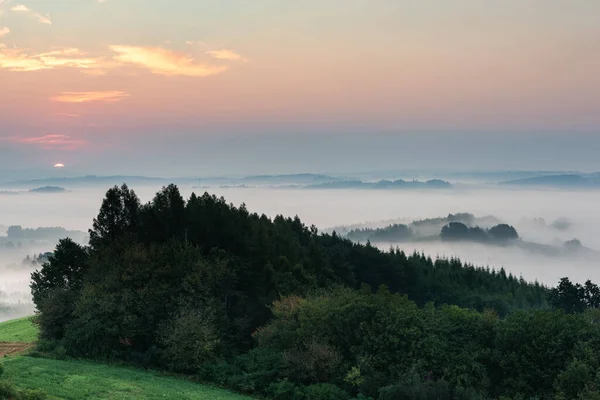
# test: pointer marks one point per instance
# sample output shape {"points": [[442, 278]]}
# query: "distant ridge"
{"points": [[88, 180], [48, 189], [563, 180], [384, 184], [292, 178]]}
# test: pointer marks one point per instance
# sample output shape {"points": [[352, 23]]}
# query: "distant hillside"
{"points": [[384, 184], [425, 229], [292, 178], [564, 180], [295, 179], [16, 233], [48, 189], [87, 180]]}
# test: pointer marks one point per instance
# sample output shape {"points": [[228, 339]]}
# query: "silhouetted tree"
{"points": [[568, 296], [118, 215]]}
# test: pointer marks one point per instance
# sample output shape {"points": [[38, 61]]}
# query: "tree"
{"points": [[164, 217], [503, 232], [455, 231], [592, 294], [118, 215], [56, 286], [64, 269], [568, 296]]}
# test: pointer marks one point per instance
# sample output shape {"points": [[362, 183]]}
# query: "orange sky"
{"points": [[77, 74]]}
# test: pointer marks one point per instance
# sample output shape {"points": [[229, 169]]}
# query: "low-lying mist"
{"points": [[542, 216], [15, 298]]}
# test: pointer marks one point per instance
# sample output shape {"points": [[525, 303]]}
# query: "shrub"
{"points": [[56, 312], [413, 387], [284, 390], [32, 395], [218, 372], [325, 391], [190, 340], [260, 367], [572, 382], [313, 363], [7, 390]]}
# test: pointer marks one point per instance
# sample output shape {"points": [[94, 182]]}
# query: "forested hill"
{"points": [[255, 260], [204, 287]]}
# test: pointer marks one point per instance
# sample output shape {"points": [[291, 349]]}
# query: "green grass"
{"points": [[18, 330], [87, 380]]}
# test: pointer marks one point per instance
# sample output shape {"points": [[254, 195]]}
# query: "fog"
{"points": [[15, 299], [326, 209]]}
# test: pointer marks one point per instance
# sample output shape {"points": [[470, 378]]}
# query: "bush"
{"points": [[414, 388], [219, 372], [190, 340], [32, 395], [56, 312], [325, 391], [8, 391], [284, 390], [260, 367], [313, 363], [572, 382]]}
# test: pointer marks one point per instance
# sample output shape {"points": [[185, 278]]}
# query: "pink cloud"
{"points": [[225, 54], [164, 62], [86, 97], [52, 142]]}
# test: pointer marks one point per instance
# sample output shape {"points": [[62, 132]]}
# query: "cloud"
{"points": [[51, 142], [44, 19], [86, 97], [17, 60], [158, 60], [164, 62], [66, 115], [4, 31], [94, 72], [226, 55]]}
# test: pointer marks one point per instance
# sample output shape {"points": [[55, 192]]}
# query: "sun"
{"points": [[59, 165]]}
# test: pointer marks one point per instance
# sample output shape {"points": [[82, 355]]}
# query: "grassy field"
{"points": [[18, 330], [87, 380]]}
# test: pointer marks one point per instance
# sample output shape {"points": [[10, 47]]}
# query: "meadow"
{"points": [[73, 379]]}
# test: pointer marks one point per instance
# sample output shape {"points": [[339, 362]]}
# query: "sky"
{"points": [[189, 87]]}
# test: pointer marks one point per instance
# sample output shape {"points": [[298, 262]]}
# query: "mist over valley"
{"points": [[545, 219]]}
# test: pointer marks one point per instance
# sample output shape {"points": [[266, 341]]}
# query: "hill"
{"points": [[48, 189], [383, 184], [564, 180], [271, 307], [87, 180], [19, 330], [73, 379], [291, 179]]}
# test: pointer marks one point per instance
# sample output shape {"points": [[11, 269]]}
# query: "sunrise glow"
{"points": [[84, 80]]}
